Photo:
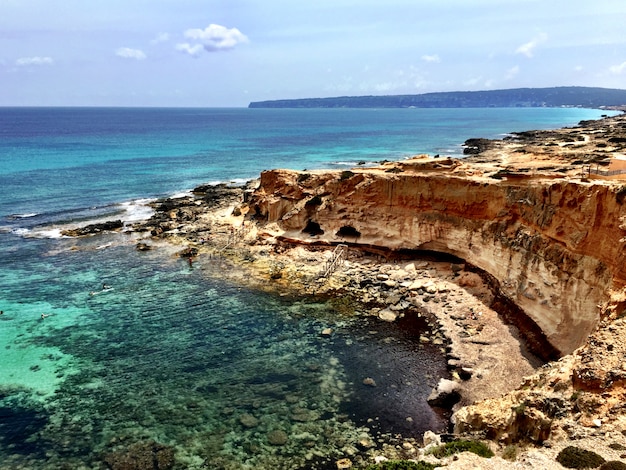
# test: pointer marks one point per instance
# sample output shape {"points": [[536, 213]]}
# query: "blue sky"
{"points": [[230, 52]]}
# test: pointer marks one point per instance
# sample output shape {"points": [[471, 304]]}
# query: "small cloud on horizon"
{"points": [[26, 61], [431, 58], [528, 49], [618, 69], [213, 38], [128, 53]]}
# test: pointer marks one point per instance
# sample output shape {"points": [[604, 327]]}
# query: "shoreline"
{"points": [[476, 341], [485, 355]]}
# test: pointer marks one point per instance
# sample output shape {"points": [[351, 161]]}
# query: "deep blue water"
{"points": [[178, 355]]}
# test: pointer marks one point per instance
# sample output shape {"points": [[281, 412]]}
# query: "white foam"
{"points": [[25, 216], [235, 181], [180, 195], [137, 210], [47, 232], [22, 232]]}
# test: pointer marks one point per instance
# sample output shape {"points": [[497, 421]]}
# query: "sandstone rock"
{"points": [[431, 439], [370, 382], [388, 315], [445, 395], [343, 464], [430, 287], [490, 225], [417, 285]]}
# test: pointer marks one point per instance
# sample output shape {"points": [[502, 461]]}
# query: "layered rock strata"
{"points": [[533, 222], [554, 243]]}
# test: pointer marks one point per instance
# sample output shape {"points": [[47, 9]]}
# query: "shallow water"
{"points": [[174, 354], [180, 356]]}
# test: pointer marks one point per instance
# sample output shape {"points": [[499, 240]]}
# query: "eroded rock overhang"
{"points": [[556, 245]]}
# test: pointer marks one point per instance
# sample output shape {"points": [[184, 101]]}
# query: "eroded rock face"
{"points": [[573, 396], [555, 245]]}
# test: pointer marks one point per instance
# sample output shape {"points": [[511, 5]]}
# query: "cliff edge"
{"points": [[542, 215], [552, 240]]}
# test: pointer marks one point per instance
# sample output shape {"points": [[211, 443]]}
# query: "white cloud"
{"points": [[193, 50], [618, 69], [528, 49], [26, 61], [431, 58], [512, 72], [161, 37], [212, 38], [128, 53]]}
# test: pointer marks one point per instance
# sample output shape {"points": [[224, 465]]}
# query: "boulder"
{"points": [[445, 395], [388, 315]]}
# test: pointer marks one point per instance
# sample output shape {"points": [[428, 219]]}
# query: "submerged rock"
{"points": [[370, 382], [148, 455], [277, 437], [248, 421]]}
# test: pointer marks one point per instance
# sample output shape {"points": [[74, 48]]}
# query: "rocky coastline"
{"points": [[514, 255]]}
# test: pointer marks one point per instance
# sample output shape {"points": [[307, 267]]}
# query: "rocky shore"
{"points": [[514, 254]]}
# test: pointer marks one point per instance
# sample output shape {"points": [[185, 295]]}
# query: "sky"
{"points": [[227, 53]]}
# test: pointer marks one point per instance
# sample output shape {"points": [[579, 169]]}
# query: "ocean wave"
{"points": [[53, 225], [137, 210], [20, 231], [233, 181], [22, 216], [50, 232]]}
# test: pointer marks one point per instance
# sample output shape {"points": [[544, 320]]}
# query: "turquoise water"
{"points": [[181, 356], [173, 354]]}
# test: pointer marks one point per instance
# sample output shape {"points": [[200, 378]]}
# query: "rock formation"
{"points": [[534, 228], [554, 243]]}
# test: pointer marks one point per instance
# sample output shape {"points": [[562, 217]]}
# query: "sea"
{"points": [[109, 355]]}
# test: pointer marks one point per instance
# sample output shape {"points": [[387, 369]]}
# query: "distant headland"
{"points": [[584, 97]]}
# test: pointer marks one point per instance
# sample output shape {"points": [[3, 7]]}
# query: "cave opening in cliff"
{"points": [[347, 231], [313, 228]]}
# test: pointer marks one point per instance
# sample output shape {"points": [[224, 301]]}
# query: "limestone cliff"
{"points": [[554, 243]]}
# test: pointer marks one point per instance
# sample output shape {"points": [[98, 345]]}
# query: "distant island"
{"points": [[584, 97]]}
